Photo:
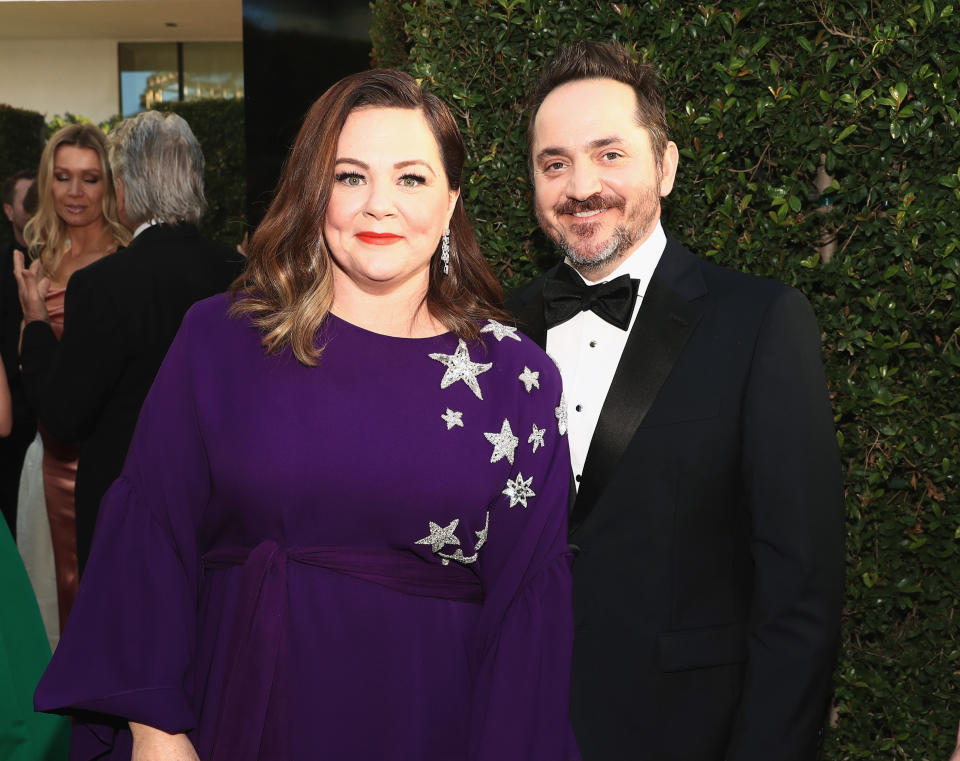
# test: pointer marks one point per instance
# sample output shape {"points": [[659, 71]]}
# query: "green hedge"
{"points": [[219, 126], [22, 136], [758, 91]]}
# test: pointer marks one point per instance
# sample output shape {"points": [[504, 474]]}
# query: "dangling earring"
{"points": [[445, 251]]}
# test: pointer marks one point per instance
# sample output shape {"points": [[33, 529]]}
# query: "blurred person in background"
{"points": [[123, 311], [14, 446], [76, 224]]}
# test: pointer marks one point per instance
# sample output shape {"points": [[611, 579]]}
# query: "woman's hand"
{"points": [[151, 744], [956, 751], [32, 289]]}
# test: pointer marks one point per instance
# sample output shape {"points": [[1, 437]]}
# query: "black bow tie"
{"points": [[566, 295]]}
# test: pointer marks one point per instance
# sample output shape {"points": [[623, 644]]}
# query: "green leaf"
{"points": [[845, 133], [928, 10]]}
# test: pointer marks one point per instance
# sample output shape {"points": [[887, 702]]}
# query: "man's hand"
{"points": [[32, 289]]}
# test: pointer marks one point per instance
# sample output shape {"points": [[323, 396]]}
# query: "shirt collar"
{"points": [[145, 225], [640, 263]]}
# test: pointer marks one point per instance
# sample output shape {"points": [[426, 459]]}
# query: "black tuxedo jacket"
{"points": [[709, 527], [120, 316], [14, 446]]}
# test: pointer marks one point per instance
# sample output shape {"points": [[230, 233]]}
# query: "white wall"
{"points": [[56, 76]]}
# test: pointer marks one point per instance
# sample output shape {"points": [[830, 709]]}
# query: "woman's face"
{"points": [[78, 185], [390, 202]]}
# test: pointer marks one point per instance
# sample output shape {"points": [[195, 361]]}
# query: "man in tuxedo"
{"points": [[708, 523], [122, 312], [14, 446]]}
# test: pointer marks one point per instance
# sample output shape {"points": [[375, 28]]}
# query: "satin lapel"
{"points": [[668, 315]]}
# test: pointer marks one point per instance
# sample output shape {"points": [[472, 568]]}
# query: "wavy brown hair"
{"points": [[46, 233], [287, 287]]}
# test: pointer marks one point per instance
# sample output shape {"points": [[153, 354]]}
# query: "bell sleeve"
{"points": [[128, 647], [523, 658]]}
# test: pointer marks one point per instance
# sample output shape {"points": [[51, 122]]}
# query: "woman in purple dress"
{"points": [[341, 528]]}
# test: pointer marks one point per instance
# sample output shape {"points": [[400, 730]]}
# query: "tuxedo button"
{"points": [[593, 344], [577, 478], [579, 408], [575, 549]]}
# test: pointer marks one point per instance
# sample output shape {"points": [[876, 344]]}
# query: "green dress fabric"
{"points": [[24, 653]]}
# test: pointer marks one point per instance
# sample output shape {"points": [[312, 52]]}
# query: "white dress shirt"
{"points": [[587, 349]]}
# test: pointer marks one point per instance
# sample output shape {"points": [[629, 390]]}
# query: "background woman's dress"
{"points": [[59, 477], [24, 735], [363, 560]]}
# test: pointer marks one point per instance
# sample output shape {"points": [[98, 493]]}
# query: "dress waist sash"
{"points": [[262, 619]]}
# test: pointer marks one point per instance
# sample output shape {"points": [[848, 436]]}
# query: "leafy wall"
{"points": [[760, 93]]}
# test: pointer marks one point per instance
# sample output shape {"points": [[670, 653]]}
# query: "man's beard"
{"points": [[638, 220]]}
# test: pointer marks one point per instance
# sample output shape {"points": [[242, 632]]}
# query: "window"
{"points": [[154, 72]]}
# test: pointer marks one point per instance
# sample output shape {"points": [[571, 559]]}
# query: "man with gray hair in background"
{"points": [[122, 312]]}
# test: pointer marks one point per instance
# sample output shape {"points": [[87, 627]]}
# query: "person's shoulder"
{"points": [[505, 343], [211, 312], [733, 285], [516, 298]]}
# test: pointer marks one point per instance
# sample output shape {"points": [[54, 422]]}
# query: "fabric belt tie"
{"points": [[262, 620]]}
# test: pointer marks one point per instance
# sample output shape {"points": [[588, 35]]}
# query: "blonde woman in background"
{"points": [[75, 225]]}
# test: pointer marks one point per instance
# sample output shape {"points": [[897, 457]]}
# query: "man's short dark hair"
{"points": [[604, 60], [11, 182]]}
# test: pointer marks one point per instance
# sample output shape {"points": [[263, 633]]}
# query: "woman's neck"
{"points": [[401, 312], [94, 238]]}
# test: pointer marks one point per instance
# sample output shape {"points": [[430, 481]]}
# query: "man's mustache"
{"points": [[595, 202]]}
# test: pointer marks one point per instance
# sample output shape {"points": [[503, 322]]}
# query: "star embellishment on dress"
{"points": [[460, 367], [561, 414], [441, 535], [500, 331], [530, 378], [518, 491], [452, 418], [504, 443], [536, 438]]}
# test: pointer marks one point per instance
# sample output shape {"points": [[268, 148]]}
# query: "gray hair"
{"points": [[161, 165]]}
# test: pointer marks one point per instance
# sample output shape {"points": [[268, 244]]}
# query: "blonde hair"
{"points": [[46, 233]]}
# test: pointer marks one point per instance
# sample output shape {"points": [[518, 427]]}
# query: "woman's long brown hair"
{"points": [[287, 287]]}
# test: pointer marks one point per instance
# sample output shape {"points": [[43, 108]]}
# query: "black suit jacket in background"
{"points": [[120, 315], [14, 446], [708, 528]]}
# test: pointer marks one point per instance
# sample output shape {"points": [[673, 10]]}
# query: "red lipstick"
{"points": [[378, 239]]}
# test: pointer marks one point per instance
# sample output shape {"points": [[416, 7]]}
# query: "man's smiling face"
{"points": [[597, 182]]}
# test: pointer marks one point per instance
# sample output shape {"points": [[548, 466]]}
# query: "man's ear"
{"points": [[668, 168], [8, 210]]}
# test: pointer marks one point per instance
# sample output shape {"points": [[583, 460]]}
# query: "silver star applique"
{"points": [[467, 559], [529, 378], [518, 491], [460, 367], [504, 443], [452, 418], [536, 438], [500, 331], [561, 414], [441, 535]]}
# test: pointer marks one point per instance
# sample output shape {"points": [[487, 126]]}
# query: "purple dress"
{"points": [[362, 560]]}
